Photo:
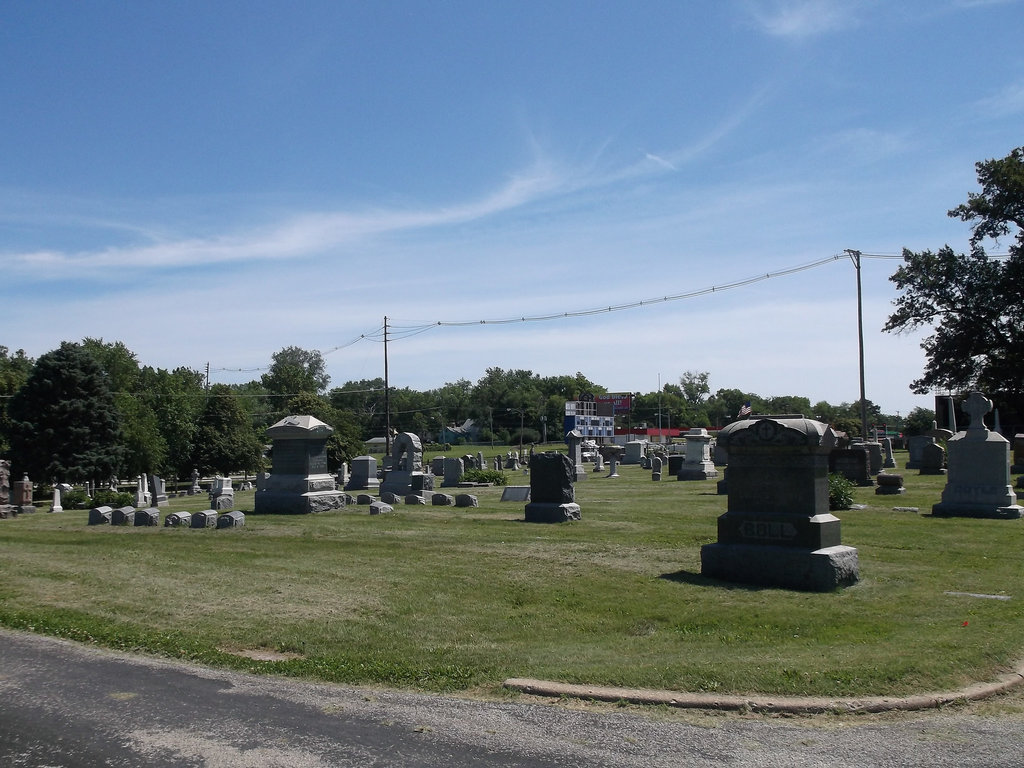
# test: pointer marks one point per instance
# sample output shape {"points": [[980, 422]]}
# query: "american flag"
{"points": [[744, 411]]}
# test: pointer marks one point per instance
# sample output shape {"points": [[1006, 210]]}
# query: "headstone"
{"points": [[656, 468], [599, 463], [123, 516], [437, 466], [342, 477], [100, 515], [1018, 455], [380, 508], [232, 519], [698, 464], [443, 499], [480, 463], [721, 486], [5, 482], [299, 482], [21, 496], [222, 494], [915, 448], [635, 452], [852, 463], [574, 439], [178, 520], [515, 493], [158, 492], [390, 498], [195, 488], [146, 517], [874, 451], [415, 498], [888, 461], [142, 496], [978, 480], [364, 498], [552, 496], [362, 474], [205, 519], [56, 507], [778, 530], [933, 459], [453, 471], [466, 500], [407, 465], [889, 484], [613, 468], [718, 454]]}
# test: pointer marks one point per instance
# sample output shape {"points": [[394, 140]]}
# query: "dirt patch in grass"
{"points": [[262, 654]]}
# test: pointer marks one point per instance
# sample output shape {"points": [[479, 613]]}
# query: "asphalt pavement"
{"points": [[65, 704]]}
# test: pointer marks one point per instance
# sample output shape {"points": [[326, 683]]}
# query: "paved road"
{"points": [[62, 704]]}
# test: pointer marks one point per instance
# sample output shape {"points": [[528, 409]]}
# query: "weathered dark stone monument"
{"points": [[299, 482], [978, 477], [552, 496], [853, 463], [778, 530]]}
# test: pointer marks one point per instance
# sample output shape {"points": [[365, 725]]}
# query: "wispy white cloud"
{"points": [[803, 18], [865, 145], [1007, 101], [300, 235]]}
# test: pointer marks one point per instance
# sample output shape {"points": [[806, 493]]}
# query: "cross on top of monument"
{"points": [[977, 405]]}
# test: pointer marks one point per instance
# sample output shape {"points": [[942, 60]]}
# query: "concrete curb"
{"points": [[768, 704]]}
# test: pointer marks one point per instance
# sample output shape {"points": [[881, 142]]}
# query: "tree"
{"points": [[144, 443], [972, 302], [919, 421], [225, 441], [295, 370], [14, 371], [64, 423], [695, 387]]}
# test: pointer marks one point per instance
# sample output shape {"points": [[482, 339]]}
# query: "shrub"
{"points": [[74, 499], [107, 498], [492, 476], [840, 492]]}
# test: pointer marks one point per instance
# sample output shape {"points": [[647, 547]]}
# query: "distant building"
{"points": [[594, 421]]}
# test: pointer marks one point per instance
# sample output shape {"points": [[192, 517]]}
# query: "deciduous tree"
{"points": [[972, 302]]}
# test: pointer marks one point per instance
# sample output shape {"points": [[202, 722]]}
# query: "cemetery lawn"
{"points": [[446, 599]]}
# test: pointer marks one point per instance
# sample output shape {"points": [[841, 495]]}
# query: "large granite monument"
{"points": [[552, 496], [778, 530], [978, 470], [299, 482]]}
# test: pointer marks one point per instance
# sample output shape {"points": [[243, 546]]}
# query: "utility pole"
{"points": [[387, 395], [855, 257]]}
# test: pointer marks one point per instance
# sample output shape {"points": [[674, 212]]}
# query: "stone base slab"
{"points": [[987, 511], [819, 570], [542, 512], [699, 472], [271, 503]]}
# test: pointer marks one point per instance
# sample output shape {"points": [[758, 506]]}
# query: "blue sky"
{"points": [[211, 182]]}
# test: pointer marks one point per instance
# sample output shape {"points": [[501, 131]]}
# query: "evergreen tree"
{"points": [[224, 439], [64, 423]]}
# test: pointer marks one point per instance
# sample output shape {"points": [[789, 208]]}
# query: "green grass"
{"points": [[438, 598]]}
